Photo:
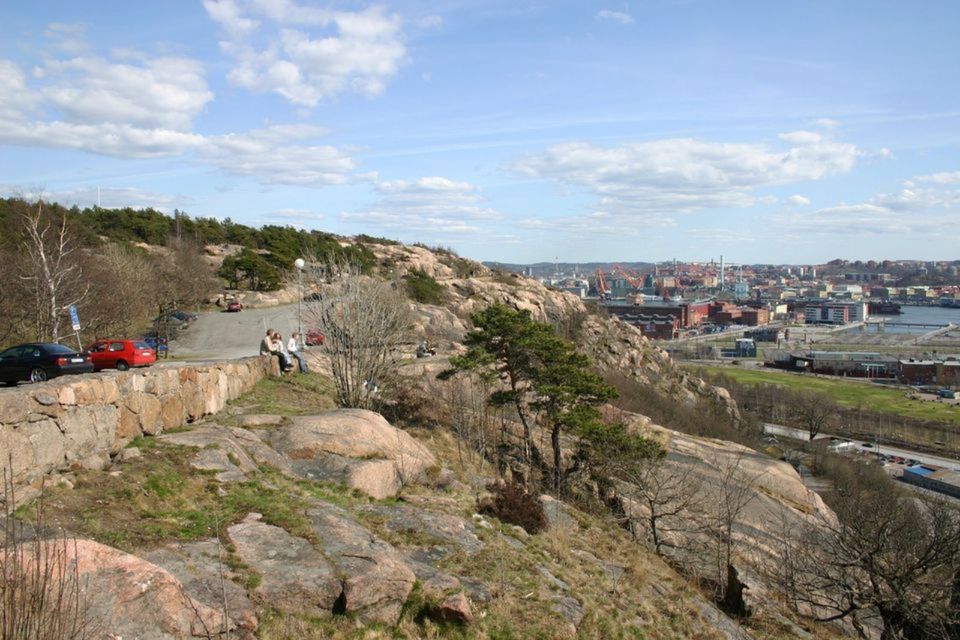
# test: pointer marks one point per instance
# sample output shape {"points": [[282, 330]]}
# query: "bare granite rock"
{"points": [[201, 569], [219, 451], [377, 579], [126, 596], [405, 518], [354, 446], [294, 577]]}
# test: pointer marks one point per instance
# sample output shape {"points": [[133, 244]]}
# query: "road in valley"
{"points": [[925, 458]]}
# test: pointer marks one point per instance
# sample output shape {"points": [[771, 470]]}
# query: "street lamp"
{"points": [[299, 263]]}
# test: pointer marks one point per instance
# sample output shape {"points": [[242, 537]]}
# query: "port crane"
{"points": [[602, 289], [634, 278]]}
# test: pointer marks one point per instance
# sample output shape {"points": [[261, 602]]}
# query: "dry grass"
{"points": [[290, 395]]}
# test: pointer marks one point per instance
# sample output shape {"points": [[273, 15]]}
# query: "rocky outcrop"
{"points": [[79, 421], [121, 595], [353, 446], [613, 345], [377, 580], [294, 577], [206, 577]]}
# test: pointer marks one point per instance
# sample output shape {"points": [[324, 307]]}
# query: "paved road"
{"points": [[925, 458], [220, 335]]}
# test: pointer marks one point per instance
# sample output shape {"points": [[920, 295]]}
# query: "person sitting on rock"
{"points": [[281, 352], [294, 351], [424, 350], [269, 346]]}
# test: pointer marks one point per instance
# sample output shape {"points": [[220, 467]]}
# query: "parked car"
{"points": [[234, 306], [39, 361], [159, 345], [314, 338], [121, 354]]}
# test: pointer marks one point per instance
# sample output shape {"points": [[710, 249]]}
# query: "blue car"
{"points": [[157, 344]]}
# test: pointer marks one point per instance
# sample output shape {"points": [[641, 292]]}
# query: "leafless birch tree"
{"points": [[50, 269]]}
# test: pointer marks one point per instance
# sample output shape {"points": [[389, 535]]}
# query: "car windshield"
{"points": [[140, 345]]}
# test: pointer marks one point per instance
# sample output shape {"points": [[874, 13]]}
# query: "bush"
{"points": [[424, 288], [513, 505]]}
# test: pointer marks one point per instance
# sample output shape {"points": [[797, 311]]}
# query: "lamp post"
{"points": [[299, 263]]}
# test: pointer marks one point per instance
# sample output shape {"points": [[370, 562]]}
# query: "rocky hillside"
{"points": [[613, 345], [313, 522], [282, 516]]}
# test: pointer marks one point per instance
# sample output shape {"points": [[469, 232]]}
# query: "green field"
{"points": [[847, 394]]}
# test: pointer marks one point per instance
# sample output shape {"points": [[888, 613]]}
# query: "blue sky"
{"points": [[513, 131]]}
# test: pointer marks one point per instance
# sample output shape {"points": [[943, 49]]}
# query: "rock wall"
{"points": [[81, 420]]}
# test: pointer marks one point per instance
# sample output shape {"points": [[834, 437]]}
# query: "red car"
{"points": [[121, 354], [234, 306], [314, 338]]}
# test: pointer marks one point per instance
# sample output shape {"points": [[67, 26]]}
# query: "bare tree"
{"points": [[464, 408], [885, 559], [736, 490], [671, 493], [811, 410], [49, 268], [364, 322]]}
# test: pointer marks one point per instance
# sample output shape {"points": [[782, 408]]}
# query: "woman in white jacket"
{"points": [[294, 350]]}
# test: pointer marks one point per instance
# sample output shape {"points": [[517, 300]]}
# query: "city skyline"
{"points": [[593, 131]]}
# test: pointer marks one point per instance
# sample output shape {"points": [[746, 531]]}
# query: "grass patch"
{"points": [[846, 394], [294, 395], [160, 498]]}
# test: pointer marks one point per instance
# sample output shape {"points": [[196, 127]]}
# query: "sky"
{"points": [[769, 132]]}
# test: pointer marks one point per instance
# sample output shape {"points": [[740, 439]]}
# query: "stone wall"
{"points": [[81, 420]]}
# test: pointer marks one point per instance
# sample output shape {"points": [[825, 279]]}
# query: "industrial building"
{"points": [[944, 372], [835, 363]]}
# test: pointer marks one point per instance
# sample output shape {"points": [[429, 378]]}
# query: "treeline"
{"points": [[268, 252], [121, 267], [50, 259]]}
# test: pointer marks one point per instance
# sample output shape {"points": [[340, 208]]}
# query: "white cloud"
{"points": [[146, 110], [227, 14], [165, 93], [429, 205], [68, 38], [944, 177], [277, 155], [828, 123], [801, 137], [617, 16], [798, 200], [92, 104], [107, 139], [912, 210], [650, 179], [311, 54], [109, 197], [16, 99]]}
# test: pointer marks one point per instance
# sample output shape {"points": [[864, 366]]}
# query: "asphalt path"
{"points": [[925, 458], [220, 335]]}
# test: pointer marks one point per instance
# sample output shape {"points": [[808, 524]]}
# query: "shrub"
{"points": [[424, 288], [514, 505], [42, 594]]}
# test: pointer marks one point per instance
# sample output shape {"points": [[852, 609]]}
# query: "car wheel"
{"points": [[122, 366], [38, 375]]}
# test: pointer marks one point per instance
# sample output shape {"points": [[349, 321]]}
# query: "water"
{"points": [[921, 315]]}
